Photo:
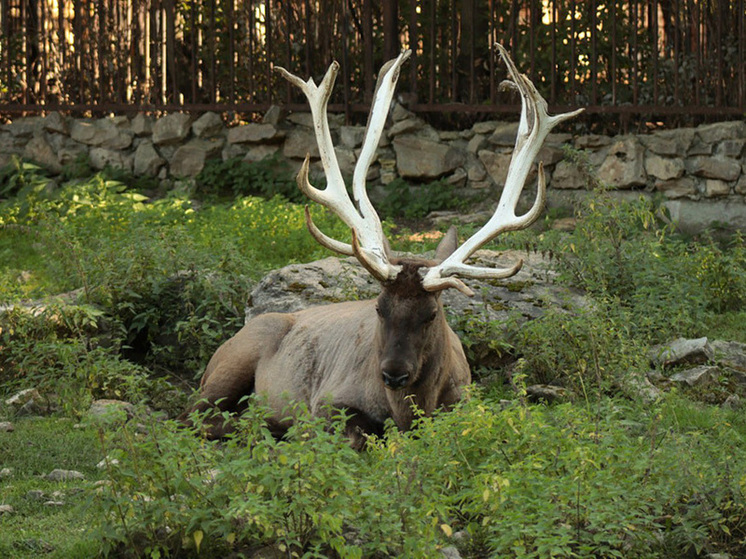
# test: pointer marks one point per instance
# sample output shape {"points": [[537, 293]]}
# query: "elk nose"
{"points": [[394, 377]]}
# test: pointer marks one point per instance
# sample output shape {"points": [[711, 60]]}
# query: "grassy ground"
{"points": [[162, 284], [37, 446]]}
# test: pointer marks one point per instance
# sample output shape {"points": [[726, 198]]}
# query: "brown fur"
{"points": [[334, 354]]}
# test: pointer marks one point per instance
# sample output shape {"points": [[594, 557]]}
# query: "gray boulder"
{"points": [[147, 160], [681, 351], [171, 129], [624, 165], [422, 158], [208, 125]]}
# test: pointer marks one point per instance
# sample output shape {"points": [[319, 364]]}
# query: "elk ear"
{"points": [[447, 245]]}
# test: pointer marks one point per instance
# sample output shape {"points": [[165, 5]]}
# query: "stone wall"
{"points": [[699, 172]]}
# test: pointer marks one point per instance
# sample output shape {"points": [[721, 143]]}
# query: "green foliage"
{"points": [[618, 481], [71, 352], [412, 202], [235, 177], [594, 349], [622, 255], [722, 274]]}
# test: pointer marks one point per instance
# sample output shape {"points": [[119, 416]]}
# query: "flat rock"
{"points": [[64, 475], [698, 376], [681, 351]]}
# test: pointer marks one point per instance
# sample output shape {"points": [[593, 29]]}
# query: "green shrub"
{"points": [[402, 199], [71, 352], [619, 480], [235, 177]]}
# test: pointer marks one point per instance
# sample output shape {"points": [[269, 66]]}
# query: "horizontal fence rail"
{"points": [[667, 59]]}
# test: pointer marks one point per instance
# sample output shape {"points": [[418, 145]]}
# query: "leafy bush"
{"points": [[562, 481], [412, 202], [235, 177], [69, 351]]}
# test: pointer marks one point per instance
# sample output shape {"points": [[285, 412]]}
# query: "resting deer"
{"points": [[373, 359]]}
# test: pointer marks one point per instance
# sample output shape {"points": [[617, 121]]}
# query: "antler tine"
{"points": [[360, 216], [535, 124]]}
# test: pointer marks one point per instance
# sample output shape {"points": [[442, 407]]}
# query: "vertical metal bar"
{"points": [[345, 61], [62, 46], [594, 52], [78, 47], [309, 40], [413, 45], [472, 54], [741, 55], [656, 50], [432, 48], [633, 53], [194, 54], [6, 60], [251, 30], [454, 51], [368, 50], [697, 46], [25, 51], [573, 51], [154, 53], [212, 47], [289, 50], [100, 52], [44, 37], [269, 52], [533, 28], [614, 76], [490, 50], [677, 52], [513, 26], [231, 21], [717, 51], [170, 67], [555, 18]]}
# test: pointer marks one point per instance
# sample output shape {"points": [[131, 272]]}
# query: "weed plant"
{"points": [[158, 284], [618, 480]]}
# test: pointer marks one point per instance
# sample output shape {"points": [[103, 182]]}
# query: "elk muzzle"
{"points": [[395, 373]]}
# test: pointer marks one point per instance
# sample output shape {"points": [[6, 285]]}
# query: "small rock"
{"points": [[6, 472], [27, 402], [450, 552], [106, 408], [6, 427], [6, 509], [54, 504], [699, 376], [64, 475], [35, 495], [681, 351], [546, 392], [733, 402]]}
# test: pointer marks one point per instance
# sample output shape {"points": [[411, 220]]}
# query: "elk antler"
{"points": [[369, 244], [534, 126]]}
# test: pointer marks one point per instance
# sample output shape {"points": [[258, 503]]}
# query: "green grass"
{"points": [[35, 448], [164, 282]]}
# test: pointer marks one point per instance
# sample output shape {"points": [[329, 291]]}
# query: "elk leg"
{"points": [[358, 426], [230, 374]]}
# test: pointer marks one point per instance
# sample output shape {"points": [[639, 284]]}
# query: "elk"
{"points": [[374, 359]]}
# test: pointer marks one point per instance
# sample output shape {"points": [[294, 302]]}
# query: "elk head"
{"points": [[409, 306]]}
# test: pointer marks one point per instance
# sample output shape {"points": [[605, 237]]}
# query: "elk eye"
{"points": [[379, 312], [429, 318]]}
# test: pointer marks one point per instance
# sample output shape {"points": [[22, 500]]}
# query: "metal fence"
{"points": [[666, 59]]}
